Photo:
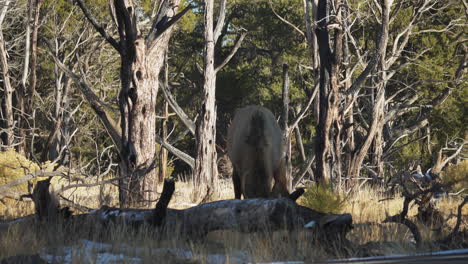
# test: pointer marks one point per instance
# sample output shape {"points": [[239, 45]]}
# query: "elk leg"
{"points": [[237, 184]]}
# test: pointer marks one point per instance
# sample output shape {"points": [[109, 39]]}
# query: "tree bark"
{"points": [[334, 101], [141, 61], [163, 151], [346, 115], [7, 135], [33, 78], [205, 164], [165, 118], [26, 96], [322, 140], [287, 131]]}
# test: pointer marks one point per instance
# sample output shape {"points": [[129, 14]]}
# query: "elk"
{"points": [[257, 151]]}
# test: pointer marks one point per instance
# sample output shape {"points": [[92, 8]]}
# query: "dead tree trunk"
{"points": [[163, 151], [322, 140], [334, 98], [142, 58], [141, 62], [28, 101], [346, 115], [287, 132], [205, 164], [56, 146], [379, 103], [7, 121]]}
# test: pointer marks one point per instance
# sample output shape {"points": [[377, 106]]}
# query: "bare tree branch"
{"points": [[5, 190], [304, 111], [6, 3], [96, 25], [285, 21], [177, 109], [177, 152], [163, 24], [220, 22], [97, 105], [441, 162], [233, 51]]}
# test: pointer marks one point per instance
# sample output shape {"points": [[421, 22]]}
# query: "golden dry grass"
{"points": [[366, 207]]}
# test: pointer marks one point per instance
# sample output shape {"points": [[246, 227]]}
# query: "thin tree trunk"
{"points": [[335, 163], [21, 92], [300, 147], [205, 164], [7, 100], [377, 147], [378, 118], [322, 140], [55, 147], [347, 113], [163, 151], [285, 124], [29, 91], [310, 8], [7, 119]]}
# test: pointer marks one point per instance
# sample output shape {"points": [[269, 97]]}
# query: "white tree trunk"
{"points": [[205, 164]]}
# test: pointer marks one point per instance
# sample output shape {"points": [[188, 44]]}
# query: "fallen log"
{"points": [[249, 215]]}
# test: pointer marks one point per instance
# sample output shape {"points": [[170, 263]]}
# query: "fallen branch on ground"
{"points": [[250, 215]]}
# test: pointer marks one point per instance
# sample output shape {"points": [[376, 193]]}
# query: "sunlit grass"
{"points": [[368, 208]]}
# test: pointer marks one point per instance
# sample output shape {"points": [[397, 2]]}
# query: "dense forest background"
{"points": [[396, 95]]}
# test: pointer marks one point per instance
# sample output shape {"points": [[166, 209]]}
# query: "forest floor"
{"points": [[63, 243]]}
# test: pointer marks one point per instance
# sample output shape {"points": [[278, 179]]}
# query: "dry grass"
{"points": [[365, 206]]}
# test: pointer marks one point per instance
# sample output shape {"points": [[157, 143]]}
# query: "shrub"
{"points": [[322, 198], [14, 166], [458, 174]]}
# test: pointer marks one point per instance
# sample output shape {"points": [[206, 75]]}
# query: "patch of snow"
{"points": [[113, 213], [100, 258], [311, 224], [96, 252], [115, 258], [56, 259], [88, 246]]}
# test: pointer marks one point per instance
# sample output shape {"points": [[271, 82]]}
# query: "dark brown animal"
{"points": [[256, 149]]}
